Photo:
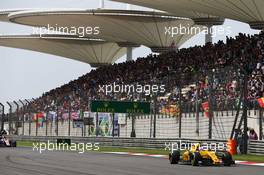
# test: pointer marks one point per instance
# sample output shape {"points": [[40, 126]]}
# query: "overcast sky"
{"points": [[27, 74]]}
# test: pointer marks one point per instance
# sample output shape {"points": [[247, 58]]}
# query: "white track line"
{"points": [[164, 156]]}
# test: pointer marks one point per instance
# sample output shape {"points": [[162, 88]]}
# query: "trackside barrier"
{"points": [[118, 142], [256, 147]]}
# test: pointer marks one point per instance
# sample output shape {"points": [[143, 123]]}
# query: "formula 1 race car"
{"points": [[196, 156], [4, 142]]}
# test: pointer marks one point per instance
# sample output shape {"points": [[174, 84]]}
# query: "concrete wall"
{"points": [[168, 127]]}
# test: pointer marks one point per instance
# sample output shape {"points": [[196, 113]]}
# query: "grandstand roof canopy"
{"points": [[163, 6], [94, 52], [122, 26], [249, 11], [4, 15]]}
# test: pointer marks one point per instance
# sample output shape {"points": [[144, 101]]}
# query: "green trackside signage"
{"points": [[120, 107]]}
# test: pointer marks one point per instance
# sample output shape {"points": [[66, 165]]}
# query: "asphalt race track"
{"points": [[23, 161]]}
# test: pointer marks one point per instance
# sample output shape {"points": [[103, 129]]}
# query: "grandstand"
{"points": [[164, 70]]}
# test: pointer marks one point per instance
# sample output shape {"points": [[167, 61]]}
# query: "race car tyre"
{"points": [[227, 159], [195, 159], [13, 144], [174, 157]]}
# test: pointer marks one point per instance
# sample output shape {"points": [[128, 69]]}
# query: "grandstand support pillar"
{"points": [[97, 124], [210, 101], [209, 23], [2, 116], [208, 35], [261, 124], [9, 118], [180, 114], [129, 53], [129, 46], [17, 117], [23, 117]]}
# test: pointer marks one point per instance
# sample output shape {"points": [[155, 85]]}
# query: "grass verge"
{"points": [[251, 158]]}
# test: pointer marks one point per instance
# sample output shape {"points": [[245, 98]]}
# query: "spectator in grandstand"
{"points": [[253, 135], [188, 66]]}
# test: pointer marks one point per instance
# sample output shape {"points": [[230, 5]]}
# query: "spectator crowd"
{"points": [[225, 64]]}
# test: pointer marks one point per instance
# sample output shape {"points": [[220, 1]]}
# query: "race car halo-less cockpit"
{"points": [[4, 141]]}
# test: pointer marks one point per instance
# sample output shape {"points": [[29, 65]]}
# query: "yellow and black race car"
{"points": [[196, 156]]}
